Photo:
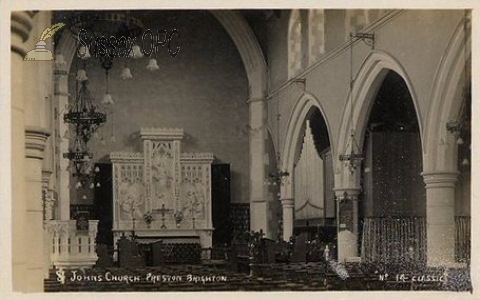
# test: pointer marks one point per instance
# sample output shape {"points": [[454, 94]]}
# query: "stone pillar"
{"points": [[259, 205], [63, 179], [36, 134], [440, 188], [35, 142], [21, 24], [347, 222], [287, 207]]}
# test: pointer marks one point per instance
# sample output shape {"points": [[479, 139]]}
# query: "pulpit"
{"points": [[161, 194]]}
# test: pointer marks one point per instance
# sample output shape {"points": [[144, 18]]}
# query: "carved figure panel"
{"points": [[193, 192], [129, 190], [162, 180]]}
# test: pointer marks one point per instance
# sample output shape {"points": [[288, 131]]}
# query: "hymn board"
{"points": [[161, 193]]}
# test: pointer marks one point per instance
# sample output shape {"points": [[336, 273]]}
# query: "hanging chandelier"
{"points": [[91, 27], [353, 158], [84, 114], [277, 177], [86, 117]]}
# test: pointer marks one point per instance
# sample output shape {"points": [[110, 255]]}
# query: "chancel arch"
{"points": [[255, 66]]}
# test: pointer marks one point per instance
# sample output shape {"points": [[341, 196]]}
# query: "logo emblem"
{"points": [[41, 53]]}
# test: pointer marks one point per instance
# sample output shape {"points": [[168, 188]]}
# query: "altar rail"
{"points": [[394, 240], [69, 247]]}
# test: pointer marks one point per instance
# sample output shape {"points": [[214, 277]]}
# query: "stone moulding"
{"points": [[195, 157], [126, 156], [161, 133]]}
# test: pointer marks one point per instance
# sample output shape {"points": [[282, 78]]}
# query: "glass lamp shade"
{"points": [[465, 162], [60, 60], [152, 65], [126, 73], [66, 135], [81, 75], [107, 99], [83, 52], [137, 53]]}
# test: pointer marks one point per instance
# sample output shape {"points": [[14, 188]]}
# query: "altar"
{"points": [[161, 193]]}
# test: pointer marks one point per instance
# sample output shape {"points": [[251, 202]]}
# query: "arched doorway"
{"points": [[394, 198]]}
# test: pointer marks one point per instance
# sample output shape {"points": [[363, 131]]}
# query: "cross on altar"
{"points": [[163, 210]]}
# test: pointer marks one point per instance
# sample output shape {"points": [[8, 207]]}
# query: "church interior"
{"points": [[293, 149]]}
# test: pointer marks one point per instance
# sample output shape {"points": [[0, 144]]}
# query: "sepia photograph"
{"points": [[251, 149]]}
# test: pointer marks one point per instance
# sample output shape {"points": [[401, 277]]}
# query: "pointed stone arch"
{"points": [[440, 169], [365, 88], [295, 123], [445, 104], [256, 69]]}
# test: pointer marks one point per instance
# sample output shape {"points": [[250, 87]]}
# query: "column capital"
{"points": [[351, 191], [35, 141], [440, 178], [256, 99], [287, 202], [21, 25], [258, 200], [46, 176]]}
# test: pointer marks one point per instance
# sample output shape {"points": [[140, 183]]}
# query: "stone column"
{"points": [[287, 207], [20, 28], [440, 188], [347, 222], [35, 142], [63, 179], [259, 205], [36, 135]]}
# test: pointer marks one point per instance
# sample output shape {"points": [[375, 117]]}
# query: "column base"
{"points": [[34, 279], [259, 216], [347, 245]]}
